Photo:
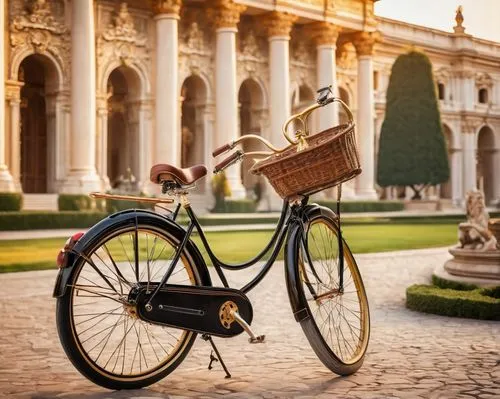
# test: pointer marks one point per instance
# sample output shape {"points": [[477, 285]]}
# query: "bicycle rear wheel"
{"points": [[338, 327], [97, 319]]}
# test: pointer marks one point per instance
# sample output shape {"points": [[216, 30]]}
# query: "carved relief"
{"points": [[346, 56], [121, 40], [37, 29], [278, 23], [484, 80], [252, 52], [323, 33], [225, 13], [364, 42], [167, 6], [441, 75]]}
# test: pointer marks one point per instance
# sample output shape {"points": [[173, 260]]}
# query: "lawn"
{"points": [[19, 255]]}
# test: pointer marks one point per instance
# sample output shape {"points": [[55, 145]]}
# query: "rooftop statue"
{"points": [[474, 234]]}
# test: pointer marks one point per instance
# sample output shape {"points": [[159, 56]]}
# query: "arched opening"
{"points": [[194, 98], [37, 117], [445, 190], [250, 99], [485, 163], [441, 91], [344, 96], [123, 128], [483, 96]]}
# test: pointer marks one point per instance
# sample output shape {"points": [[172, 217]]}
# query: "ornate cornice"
{"points": [[323, 33], [278, 23], [364, 42], [167, 6], [225, 13]]}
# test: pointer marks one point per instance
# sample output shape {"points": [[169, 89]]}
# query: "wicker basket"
{"points": [[330, 159]]}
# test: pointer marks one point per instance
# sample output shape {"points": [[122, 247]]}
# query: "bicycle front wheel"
{"points": [[97, 318], [338, 328]]}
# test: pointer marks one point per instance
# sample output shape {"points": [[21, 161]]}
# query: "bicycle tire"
{"points": [[72, 330], [320, 333]]}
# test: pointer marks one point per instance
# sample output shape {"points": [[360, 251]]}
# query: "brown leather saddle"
{"points": [[163, 172]]}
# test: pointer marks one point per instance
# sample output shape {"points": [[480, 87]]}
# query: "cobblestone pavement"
{"points": [[411, 355]]}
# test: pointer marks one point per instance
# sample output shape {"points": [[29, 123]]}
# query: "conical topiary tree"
{"points": [[412, 148]]}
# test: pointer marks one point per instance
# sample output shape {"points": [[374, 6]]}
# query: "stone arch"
{"points": [[207, 83], [194, 94], [252, 105], [39, 131], [124, 92], [143, 82], [488, 153], [55, 60]]}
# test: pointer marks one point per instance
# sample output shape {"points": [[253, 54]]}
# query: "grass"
{"points": [[21, 255]]}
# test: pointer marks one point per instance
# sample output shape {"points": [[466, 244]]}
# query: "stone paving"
{"points": [[411, 355]]}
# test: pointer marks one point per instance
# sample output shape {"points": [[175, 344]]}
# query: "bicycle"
{"points": [[134, 291]]}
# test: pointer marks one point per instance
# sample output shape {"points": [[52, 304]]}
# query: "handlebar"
{"points": [[325, 97], [234, 157]]}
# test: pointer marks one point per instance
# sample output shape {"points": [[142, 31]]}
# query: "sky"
{"points": [[481, 17]]}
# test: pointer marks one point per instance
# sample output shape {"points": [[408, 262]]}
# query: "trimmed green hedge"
{"points": [[454, 285], [475, 304], [364, 206], [11, 201], [48, 220], [236, 206], [78, 202]]}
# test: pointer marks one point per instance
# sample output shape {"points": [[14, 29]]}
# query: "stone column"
{"points": [[102, 141], [469, 159], [167, 143], [6, 180], [278, 27], [13, 97], [365, 183], [325, 36], [456, 176], [226, 15], [82, 176]]}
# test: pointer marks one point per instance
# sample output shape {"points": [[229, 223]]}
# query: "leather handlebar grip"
{"points": [[228, 161], [222, 149]]}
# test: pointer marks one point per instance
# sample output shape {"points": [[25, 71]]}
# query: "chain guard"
{"points": [[194, 308]]}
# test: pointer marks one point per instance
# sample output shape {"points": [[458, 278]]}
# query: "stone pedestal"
{"points": [[472, 267]]}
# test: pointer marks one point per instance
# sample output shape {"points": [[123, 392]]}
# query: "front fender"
{"points": [[293, 283], [124, 219]]}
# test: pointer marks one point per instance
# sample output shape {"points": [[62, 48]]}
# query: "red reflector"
{"points": [[69, 244]]}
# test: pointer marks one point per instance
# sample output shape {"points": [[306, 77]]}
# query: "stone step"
{"points": [[40, 202]]}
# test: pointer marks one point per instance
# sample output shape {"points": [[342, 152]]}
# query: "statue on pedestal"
{"points": [[474, 234]]}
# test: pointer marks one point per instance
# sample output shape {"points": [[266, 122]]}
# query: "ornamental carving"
{"points": [[278, 23], [364, 42], [484, 80], [225, 13], [37, 29], [122, 29], [167, 6], [323, 33], [346, 56], [194, 38], [121, 42], [441, 75]]}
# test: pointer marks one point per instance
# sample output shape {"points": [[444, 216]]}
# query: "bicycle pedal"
{"points": [[257, 340]]}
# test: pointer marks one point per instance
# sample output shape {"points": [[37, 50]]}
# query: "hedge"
{"points": [[78, 202], [479, 303], [48, 220], [236, 206], [454, 285], [11, 201], [364, 206]]}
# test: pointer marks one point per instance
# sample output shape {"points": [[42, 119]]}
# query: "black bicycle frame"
{"points": [[287, 215]]}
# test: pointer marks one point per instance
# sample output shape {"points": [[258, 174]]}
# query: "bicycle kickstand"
{"points": [[213, 358]]}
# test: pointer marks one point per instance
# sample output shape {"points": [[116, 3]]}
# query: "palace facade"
{"points": [[95, 88]]}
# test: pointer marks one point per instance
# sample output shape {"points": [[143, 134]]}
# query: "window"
{"points": [[441, 91], [483, 96]]}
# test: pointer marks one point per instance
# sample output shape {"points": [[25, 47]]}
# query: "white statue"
{"points": [[474, 234]]}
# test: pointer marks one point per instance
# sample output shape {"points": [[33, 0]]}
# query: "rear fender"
{"points": [[126, 218]]}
